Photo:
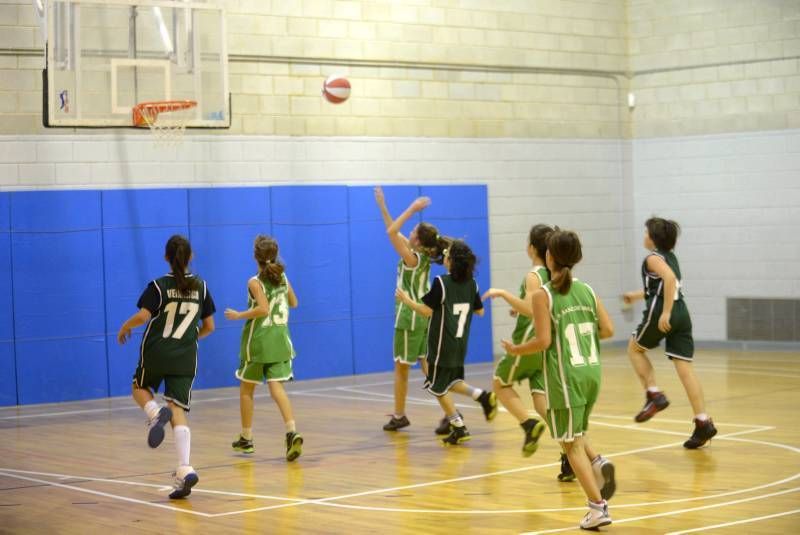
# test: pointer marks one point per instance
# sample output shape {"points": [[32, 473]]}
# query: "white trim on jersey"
{"points": [[544, 352], [441, 331]]}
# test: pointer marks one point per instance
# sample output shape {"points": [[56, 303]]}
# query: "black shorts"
{"points": [[680, 343], [177, 388], [440, 380]]}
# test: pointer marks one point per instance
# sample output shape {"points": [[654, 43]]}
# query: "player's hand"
{"points": [[629, 297], [402, 295], [513, 313], [491, 293], [379, 198], [508, 346], [421, 203], [663, 323], [231, 314], [123, 335]]}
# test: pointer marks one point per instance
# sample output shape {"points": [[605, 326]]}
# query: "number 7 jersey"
{"points": [[266, 339], [572, 362]]}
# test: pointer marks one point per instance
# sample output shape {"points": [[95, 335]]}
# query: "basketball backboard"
{"points": [[105, 56]]}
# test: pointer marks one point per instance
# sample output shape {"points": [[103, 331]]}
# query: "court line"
{"points": [[737, 522], [677, 512], [105, 494]]}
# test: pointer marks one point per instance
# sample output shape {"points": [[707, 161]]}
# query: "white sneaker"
{"points": [[604, 475], [597, 516], [185, 479]]}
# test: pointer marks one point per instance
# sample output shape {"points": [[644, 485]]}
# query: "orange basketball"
{"points": [[336, 89]]}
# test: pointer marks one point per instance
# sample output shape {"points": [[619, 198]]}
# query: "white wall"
{"points": [[737, 197], [573, 183]]}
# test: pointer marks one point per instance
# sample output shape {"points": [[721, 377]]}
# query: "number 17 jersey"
{"points": [[572, 362]]}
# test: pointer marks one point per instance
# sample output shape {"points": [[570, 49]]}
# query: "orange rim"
{"points": [[145, 113]]}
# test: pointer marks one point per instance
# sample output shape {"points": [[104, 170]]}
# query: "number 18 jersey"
{"points": [[572, 362], [266, 339]]}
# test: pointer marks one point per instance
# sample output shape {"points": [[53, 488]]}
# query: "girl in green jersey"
{"points": [[171, 306], [570, 319], [266, 350]]}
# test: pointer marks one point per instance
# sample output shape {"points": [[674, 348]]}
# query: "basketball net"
{"points": [[167, 131]]}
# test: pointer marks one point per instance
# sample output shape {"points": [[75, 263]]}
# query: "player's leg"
{"points": [[142, 390], [178, 393], [277, 374], [486, 399], [655, 400], [244, 442]]}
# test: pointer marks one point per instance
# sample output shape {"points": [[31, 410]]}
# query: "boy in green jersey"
{"points": [[423, 246], [666, 316], [171, 306], [450, 303], [570, 320], [266, 350]]}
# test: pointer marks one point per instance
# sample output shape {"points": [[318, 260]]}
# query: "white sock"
{"points": [[653, 389], [702, 417], [290, 427], [474, 393], [151, 409], [456, 420], [247, 433], [183, 443]]}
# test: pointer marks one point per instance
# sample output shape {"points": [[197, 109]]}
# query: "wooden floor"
{"points": [[84, 467]]}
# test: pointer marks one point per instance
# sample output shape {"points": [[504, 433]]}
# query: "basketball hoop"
{"points": [[166, 131]]}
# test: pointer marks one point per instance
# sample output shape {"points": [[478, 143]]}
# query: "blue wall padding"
{"points": [[308, 205], [73, 264], [323, 348], [58, 285], [229, 206], [51, 370], [55, 211], [8, 390]]}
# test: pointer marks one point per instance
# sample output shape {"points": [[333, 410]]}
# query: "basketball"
{"points": [[336, 89]]}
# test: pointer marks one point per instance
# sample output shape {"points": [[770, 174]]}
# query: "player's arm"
{"points": [[399, 242], [630, 297], [656, 264], [521, 306], [380, 199], [206, 327], [292, 297], [604, 323], [137, 320], [541, 320], [420, 308], [261, 308]]}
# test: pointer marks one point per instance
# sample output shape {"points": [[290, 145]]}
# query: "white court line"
{"points": [[677, 512], [105, 494], [736, 523], [673, 421]]}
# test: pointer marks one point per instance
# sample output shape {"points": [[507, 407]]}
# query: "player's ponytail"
{"points": [[537, 238], [178, 252], [564, 251], [265, 250], [431, 243], [663, 232], [462, 261]]}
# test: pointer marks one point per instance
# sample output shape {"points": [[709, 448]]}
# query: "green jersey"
{"points": [[453, 304], [653, 284], [415, 281], [169, 344], [524, 329], [266, 339], [572, 362]]}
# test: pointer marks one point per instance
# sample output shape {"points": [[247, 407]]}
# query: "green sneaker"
{"points": [[243, 445], [294, 446]]}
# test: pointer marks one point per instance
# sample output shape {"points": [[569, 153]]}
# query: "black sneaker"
{"points": [[566, 474], [533, 429], [604, 473], [243, 445], [183, 487], [458, 435], [155, 436], [396, 423], [294, 446], [444, 426], [654, 402], [704, 431], [488, 401]]}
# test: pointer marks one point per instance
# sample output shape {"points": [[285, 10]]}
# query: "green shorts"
{"points": [[566, 424], [177, 388], [680, 343], [440, 380], [258, 372], [410, 346], [511, 369]]}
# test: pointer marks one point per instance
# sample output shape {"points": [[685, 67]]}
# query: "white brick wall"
{"points": [[737, 198], [575, 184]]}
